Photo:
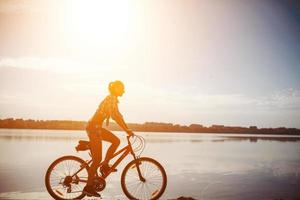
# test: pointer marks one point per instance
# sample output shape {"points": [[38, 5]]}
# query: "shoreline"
{"points": [[11, 123], [158, 132]]}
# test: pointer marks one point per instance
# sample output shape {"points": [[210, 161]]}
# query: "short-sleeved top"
{"points": [[106, 109]]}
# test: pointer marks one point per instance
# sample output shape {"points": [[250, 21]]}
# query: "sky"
{"points": [[235, 63]]}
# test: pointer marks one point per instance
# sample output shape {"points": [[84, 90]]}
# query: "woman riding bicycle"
{"points": [[96, 133]]}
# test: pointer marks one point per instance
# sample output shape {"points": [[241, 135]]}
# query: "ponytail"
{"points": [[110, 87]]}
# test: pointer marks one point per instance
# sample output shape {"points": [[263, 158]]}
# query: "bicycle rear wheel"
{"points": [[155, 179], [60, 180]]}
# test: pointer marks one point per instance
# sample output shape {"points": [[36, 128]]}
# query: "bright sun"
{"points": [[99, 26]]}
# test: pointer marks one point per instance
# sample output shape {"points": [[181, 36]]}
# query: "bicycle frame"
{"points": [[125, 151]]}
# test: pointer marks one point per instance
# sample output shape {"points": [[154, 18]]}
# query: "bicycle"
{"points": [[142, 178]]}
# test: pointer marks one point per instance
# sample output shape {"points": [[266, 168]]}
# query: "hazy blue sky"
{"points": [[235, 63]]}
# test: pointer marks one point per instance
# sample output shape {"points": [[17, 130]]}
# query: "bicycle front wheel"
{"points": [[61, 181], [154, 183]]}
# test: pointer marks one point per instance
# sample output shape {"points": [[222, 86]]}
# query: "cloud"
{"points": [[50, 88], [286, 99], [277, 100], [38, 93], [64, 66]]}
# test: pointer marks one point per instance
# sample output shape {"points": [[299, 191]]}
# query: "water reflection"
{"points": [[202, 166], [36, 138], [257, 138], [151, 137]]}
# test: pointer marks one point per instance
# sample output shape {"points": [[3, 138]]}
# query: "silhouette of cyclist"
{"points": [[107, 109]]}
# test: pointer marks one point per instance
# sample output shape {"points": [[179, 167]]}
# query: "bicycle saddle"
{"points": [[83, 145]]}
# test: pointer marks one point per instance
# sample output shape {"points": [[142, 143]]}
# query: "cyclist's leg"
{"points": [[96, 152], [114, 140]]}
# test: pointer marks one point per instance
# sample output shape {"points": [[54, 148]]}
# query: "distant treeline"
{"points": [[146, 127]]}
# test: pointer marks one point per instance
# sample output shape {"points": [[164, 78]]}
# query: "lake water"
{"points": [[202, 166]]}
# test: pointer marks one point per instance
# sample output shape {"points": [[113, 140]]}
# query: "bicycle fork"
{"points": [[137, 164]]}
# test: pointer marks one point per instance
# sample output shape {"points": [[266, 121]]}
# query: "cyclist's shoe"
{"points": [[105, 168], [90, 191]]}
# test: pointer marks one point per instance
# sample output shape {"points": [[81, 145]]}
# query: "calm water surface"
{"points": [[202, 166]]}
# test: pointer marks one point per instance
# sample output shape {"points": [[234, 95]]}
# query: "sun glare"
{"points": [[99, 26]]}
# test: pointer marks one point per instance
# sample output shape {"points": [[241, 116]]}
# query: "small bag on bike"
{"points": [[83, 145]]}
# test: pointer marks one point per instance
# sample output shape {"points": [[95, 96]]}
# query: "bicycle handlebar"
{"points": [[139, 146], [128, 137]]}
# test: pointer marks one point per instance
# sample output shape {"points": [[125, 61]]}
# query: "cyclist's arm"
{"points": [[117, 116], [120, 121]]}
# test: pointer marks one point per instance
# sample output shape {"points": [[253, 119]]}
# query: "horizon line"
{"points": [[173, 124]]}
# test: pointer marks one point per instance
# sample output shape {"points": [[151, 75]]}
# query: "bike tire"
{"points": [[151, 162], [50, 170]]}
